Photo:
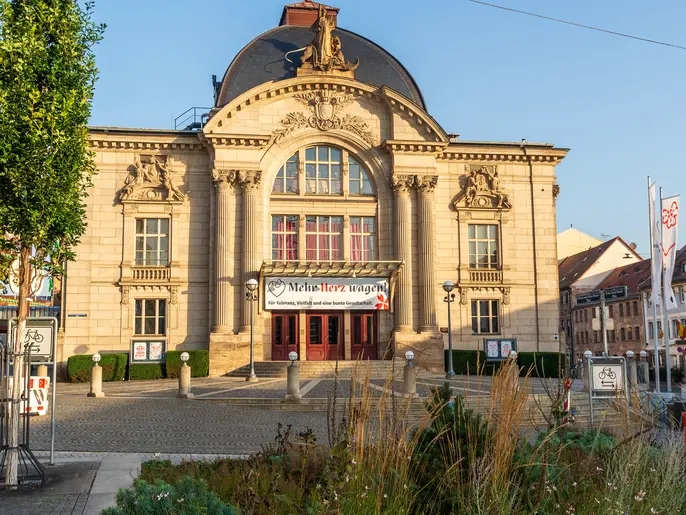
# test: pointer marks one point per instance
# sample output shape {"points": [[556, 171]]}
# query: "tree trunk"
{"points": [[18, 369]]}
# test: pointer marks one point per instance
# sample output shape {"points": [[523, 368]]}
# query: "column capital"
{"points": [[224, 179], [249, 180], [425, 184], [402, 183]]}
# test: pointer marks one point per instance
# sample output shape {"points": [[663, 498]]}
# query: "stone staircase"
{"points": [[378, 369]]}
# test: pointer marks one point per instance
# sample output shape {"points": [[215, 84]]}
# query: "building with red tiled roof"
{"points": [[581, 273]]}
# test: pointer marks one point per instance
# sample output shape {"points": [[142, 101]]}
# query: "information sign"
{"points": [[39, 334], [498, 349]]}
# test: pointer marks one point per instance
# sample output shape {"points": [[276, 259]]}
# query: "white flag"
{"points": [[656, 251], [670, 228]]}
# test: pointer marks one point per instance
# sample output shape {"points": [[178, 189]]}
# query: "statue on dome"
{"points": [[324, 53]]}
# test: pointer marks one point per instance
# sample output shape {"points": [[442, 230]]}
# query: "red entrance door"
{"points": [[324, 336], [364, 339], [284, 335]]}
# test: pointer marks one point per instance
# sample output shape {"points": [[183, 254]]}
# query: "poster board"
{"points": [[498, 349], [148, 351]]}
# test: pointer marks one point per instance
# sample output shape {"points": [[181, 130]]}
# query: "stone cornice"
{"points": [[503, 152], [419, 116], [236, 140], [136, 140], [434, 148]]}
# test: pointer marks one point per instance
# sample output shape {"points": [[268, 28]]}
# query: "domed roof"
{"points": [[263, 60]]}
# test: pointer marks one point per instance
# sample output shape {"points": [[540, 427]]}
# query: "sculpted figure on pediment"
{"points": [[151, 178], [483, 189]]}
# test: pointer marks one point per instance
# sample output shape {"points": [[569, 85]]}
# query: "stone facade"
{"points": [[215, 188]]}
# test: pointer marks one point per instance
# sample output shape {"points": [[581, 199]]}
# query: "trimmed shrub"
{"points": [[113, 367], [542, 364], [187, 497], [465, 361], [198, 360], [145, 371]]}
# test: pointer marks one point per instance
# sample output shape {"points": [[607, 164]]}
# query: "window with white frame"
{"points": [[150, 317], [485, 319], [323, 238], [286, 180], [152, 242], [483, 245], [362, 238], [359, 182], [284, 237], [323, 170]]}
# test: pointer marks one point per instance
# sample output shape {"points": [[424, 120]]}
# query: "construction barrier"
{"points": [[38, 391]]}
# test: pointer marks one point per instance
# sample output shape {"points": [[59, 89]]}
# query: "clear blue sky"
{"points": [[484, 73]]}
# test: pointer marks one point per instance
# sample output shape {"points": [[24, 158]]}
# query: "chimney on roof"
{"points": [[304, 14]]}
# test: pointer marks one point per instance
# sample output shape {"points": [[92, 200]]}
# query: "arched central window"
{"points": [[325, 174]]}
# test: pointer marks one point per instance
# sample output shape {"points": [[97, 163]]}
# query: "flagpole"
{"points": [[668, 364], [656, 357]]}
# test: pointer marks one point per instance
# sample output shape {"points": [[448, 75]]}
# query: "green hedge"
{"points": [[144, 371], [542, 364], [198, 360], [465, 361], [113, 367]]}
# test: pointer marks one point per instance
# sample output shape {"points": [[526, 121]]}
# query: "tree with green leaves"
{"points": [[47, 77]]}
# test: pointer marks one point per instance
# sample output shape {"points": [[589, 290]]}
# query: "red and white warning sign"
{"points": [[38, 392]]}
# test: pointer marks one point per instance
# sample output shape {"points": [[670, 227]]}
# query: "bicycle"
{"points": [[33, 337], [607, 372]]}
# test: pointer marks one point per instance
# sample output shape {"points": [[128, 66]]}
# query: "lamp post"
{"points": [[448, 287], [251, 296]]}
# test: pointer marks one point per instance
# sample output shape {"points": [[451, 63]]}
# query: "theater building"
{"points": [[320, 174]]}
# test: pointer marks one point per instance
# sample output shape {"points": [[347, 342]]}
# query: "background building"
{"points": [[582, 273], [324, 178], [572, 241]]}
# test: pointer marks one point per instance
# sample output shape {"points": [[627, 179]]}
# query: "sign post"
{"points": [[603, 321], [41, 333], [607, 377]]}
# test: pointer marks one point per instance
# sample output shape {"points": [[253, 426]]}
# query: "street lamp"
{"points": [[251, 296], [448, 287], [184, 358], [643, 354], [630, 354], [96, 358]]}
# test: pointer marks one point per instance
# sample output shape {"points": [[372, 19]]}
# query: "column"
{"points": [[427, 231], [224, 181], [403, 248], [250, 183]]}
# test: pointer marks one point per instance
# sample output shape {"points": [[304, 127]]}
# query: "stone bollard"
{"points": [[42, 370], [96, 378], [645, 372], [409, 376], [293, 379], [185, 378]]}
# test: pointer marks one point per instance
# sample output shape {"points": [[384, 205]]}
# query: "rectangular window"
{"points": [[621, 310], [595, 336], [323, 238], [150, 317], [611, 311], [622, 334], [323, 174], [483, 246], [637, 332], [152, 241], [585, 315], [485, 318], [635, 308], [659, 330], [586, 336], [651, 330], [628, 309], [630, 333], [362, 238], [284, 238]]}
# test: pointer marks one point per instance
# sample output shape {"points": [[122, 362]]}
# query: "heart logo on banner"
{"points": [[276, 287]]}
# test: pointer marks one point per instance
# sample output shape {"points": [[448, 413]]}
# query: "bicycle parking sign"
{"points": [[40, 333]]}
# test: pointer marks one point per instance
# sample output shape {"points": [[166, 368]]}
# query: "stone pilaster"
{"points": [[224, 181], [427, 233], [250, 184], [403, 248]]}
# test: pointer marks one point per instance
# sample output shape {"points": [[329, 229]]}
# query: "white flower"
{"points": [[366, 488], [335, 496], [652, 469], [404, 487], [157, 455], [599, 469], [354, 462], [180, 500], [574, 483], [319, 487], [640, 495], [347, 478], [385, 496], [653, 510]]}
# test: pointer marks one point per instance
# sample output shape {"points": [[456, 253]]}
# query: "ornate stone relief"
{"points": [[482, 189], [125, 295], [151, 179], [556, 193], [325, 115], [324, 53]]}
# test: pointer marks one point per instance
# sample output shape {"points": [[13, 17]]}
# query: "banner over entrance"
{"points": [[324, 293]]}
